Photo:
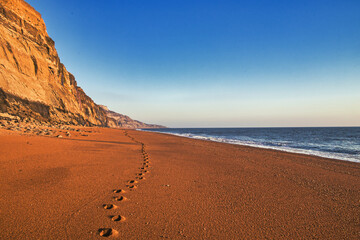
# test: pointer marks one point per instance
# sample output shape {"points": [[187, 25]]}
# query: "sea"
{"points": [[341, 143]]}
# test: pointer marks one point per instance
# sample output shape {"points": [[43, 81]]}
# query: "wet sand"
{"points": [[139, 185]]}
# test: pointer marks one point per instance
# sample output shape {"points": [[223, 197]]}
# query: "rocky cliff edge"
{"points": [[34, 84]]}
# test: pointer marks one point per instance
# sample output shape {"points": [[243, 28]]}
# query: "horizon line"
{"points": [[265, 127]]}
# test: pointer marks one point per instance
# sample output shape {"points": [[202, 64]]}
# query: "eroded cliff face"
{"points": [[34, 85], [33, 82], [123, 121]]}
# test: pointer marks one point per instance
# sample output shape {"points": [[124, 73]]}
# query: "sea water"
{"points": [[341, 143]]}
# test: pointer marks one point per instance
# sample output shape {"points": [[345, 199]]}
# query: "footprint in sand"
{"points": [[131, 186], [132, 181], [118, 191], [140, 178], [109, 206], [117, 218], [121, 198], [107, 232]]}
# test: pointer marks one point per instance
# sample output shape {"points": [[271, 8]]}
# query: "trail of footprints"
{"points": [[119, 197]]}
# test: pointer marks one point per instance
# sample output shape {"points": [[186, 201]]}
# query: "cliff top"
{"points": [[26, 12]]}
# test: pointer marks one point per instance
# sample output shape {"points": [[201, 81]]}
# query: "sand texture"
{"points": [[126, 184]]}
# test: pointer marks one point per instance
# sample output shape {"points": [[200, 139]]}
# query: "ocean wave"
{"points": [[315, 150]]}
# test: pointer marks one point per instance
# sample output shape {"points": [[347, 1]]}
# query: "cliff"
{"points": [[124, 121], [34, 84]]}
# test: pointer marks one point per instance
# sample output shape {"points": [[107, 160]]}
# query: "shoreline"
{"points": [[290, 150], [131, 184]]}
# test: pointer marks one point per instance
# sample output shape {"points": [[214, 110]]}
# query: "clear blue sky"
{"points": [[191, 63]]}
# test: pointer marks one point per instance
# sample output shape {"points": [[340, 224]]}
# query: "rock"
{"points": [[28, 58], [7, 116], [59, 136], [34, 85], [125, 121]]}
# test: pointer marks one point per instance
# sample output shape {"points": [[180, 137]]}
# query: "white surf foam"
{"points": [[280, 147]]}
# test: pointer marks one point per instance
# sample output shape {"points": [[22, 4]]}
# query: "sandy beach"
{"points": [[280, 76], [129, 184]]}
